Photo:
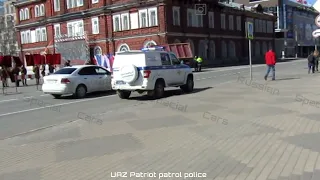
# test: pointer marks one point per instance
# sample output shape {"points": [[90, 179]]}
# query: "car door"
{"points": [[104, 81], [178, 69], [89, 77], [166, 70]]}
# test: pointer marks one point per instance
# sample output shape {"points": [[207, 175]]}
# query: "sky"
{"points": [[312, 1]]}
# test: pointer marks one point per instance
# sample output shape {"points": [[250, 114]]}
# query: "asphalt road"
{"points": [[30, 110]]}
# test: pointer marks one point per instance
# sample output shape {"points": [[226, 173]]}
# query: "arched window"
{"points": [[212, 50], [224, 49], [124, 47], [232, 49], [192, 45], [21, 13], [149, 43], [42, 10], [26, 13], [264, 47], [257, 49], [36, 11], [202, 49]]}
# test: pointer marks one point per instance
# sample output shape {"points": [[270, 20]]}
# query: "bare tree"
{"points": [[8, 36]]}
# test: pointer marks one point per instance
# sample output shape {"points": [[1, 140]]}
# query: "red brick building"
{"points": [[216, 31]]}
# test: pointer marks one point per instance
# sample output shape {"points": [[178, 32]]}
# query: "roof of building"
{"points": [[246, 8]]}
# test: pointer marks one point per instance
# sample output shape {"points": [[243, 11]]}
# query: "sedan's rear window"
{"points": [[65, 71]]}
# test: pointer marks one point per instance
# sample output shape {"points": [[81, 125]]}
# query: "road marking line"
{"points": [[45, 95], [61, 104], [8, 100]]}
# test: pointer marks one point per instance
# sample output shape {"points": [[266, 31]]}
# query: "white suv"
{"points": [[149, 70]]}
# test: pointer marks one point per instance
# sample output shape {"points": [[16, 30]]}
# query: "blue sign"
{"points": [[249, 30]]}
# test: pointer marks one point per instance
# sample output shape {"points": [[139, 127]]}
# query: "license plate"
{"points": [[51, 81], [120, 82]]}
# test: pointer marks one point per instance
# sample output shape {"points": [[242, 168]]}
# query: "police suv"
{"points": [[149, 70]]}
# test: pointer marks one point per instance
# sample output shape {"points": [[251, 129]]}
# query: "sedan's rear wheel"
{"points": [[81, 91]]}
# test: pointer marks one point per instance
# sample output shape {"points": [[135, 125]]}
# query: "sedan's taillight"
{"points": [[65, 81]]}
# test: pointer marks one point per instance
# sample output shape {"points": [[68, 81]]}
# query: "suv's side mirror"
{"points": [[108, 73]]}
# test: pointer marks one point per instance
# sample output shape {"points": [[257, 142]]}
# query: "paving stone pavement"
{"points": [[236, 131]]}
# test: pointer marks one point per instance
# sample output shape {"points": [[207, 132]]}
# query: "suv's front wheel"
{"points": [[188, 87], [124, 94]]}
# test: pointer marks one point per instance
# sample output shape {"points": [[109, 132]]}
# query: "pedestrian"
{"points": [[15, 72], [270, 58], [4, 76], [23, 75], [195, 63], [199, 63], [311, 63], [43, 70], [36, 71], [51, 69], [316, 59], [67, 64]]}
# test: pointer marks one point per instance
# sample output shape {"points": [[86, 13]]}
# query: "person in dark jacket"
{"points": [[67, 64], [4, 75], [311, 63], [15, 72], [51, 69], [270, 58], [23, 71], [316, 59], [36, 71]]}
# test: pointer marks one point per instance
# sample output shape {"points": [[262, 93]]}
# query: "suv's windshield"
{"points": [[65, 71]]}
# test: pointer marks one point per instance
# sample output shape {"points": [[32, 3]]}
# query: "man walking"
{"points": [[311, 63], [270, 58], [316, 59]]}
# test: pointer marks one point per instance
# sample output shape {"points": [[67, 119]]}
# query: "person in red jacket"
{"points": [[270, 62]]}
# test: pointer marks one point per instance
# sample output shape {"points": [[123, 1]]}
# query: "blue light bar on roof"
{"points": [[154, 48]]}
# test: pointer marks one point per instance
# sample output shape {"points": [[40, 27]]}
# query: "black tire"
{"points": [[81, 91], [188, 87], [158, 91], [56, 96], [124, 94]]}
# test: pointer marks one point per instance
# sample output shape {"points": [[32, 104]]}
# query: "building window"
{"points": [[202, 48], [42, 10], [22, 38], [95, 1], [176, 15], [211, 19], [232, 49], [125, 21], [74, 3], [264, 47], [36, 11], [123, 47], [212, 50], [153, 20], [57, 31], [190, 18], [116, 23], [224, 49], [143, 18], [257, 49], [56, 4], [95, 25], [200, 21], [21, 14], [38, 35], [43, 34], [256, 25], [75, 28], [223, 21], [239, 23], [26, 13], [231, 23]]}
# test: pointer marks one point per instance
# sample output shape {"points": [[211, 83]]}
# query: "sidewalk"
{"points": [[237, 131]]}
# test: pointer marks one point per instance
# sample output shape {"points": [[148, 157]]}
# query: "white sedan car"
{"points": [[77, 80]]}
